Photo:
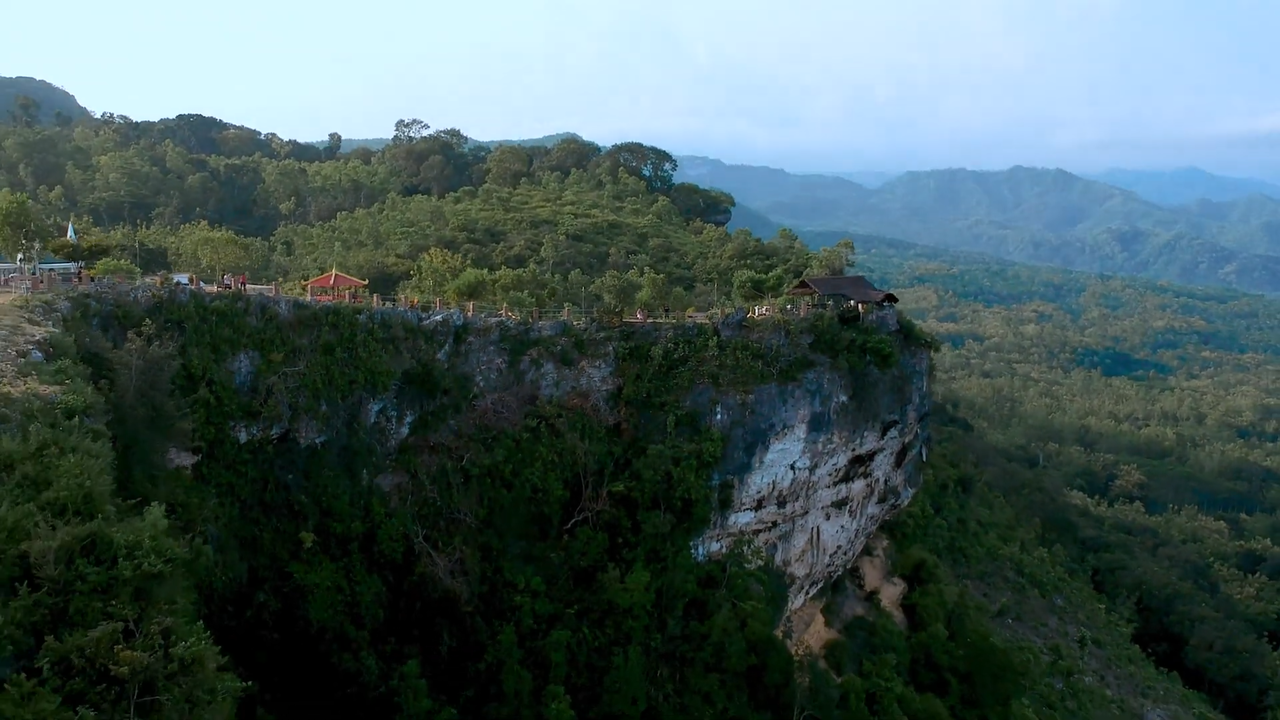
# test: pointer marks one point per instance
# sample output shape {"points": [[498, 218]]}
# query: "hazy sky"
{"points": [[803, 84]]}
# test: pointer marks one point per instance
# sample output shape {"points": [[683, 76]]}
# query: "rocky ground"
{"points": [[22, 330]]}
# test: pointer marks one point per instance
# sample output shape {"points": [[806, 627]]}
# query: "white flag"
{"points": [[71, 232]]}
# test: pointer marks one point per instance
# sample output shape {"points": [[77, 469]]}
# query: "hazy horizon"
{"points": [[1079, 84]]}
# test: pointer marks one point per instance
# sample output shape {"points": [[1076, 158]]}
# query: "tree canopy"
{"points": [[197, 194]]}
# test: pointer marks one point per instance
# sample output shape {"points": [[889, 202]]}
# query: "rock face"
{"points": [[811, 469], [817, 466]]}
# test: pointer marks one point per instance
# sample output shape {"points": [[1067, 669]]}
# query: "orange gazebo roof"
{"points": [[335, 279]]}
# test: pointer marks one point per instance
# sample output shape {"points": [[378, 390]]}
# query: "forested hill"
{"points": [[433, 213], [1025, 214], [1096, 535], [31, 101]]}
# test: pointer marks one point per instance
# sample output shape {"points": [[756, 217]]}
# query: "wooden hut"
{"points": [[843, 290], [334, 285]]}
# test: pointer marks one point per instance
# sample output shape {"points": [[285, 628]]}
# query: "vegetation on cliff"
{"points": [[513, 558]]}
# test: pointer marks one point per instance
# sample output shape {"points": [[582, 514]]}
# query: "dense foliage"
{"points": [[1032, 215], [513, 558], [1133, 426], [196, 194]]}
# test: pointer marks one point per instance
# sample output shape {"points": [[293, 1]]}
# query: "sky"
{"points": [[806, 85]]}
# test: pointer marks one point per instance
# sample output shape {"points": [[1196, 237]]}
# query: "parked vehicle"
{"points": [[186, 280]]}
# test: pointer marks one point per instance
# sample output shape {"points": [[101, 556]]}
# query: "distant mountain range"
{"points": [[1185, 185], [866, 178], [1166, 187], [1034, 215]]}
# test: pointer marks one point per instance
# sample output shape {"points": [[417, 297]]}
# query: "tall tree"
{"points": [[22, 230], [409, 131], [568, 155], [25, 112], [713, 207], [507, 166], [333, 147], [656, 167], [837, 259]]}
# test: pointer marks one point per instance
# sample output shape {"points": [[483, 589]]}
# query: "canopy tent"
{"points": [[58, 266], [330, 284], [54, 264]]}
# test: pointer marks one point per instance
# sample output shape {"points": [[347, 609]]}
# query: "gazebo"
{"points": [[334, 285], [843, 290]]}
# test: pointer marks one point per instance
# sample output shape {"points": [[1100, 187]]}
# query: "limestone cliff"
{"points": [[823, 421], [817, 465]]}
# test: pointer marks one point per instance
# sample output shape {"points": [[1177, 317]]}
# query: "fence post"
{"points": [[471, 308], [568, 313], [533, 315], [377, 300]]}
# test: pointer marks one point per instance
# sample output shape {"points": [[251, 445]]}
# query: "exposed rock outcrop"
{"points": [[811, 467], [808, 628], [818, 465]]}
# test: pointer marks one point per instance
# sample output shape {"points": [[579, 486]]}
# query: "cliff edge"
{"points": [[809, 433]]}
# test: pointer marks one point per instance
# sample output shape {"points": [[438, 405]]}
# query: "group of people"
{"points": [[642, 315], [231, 282]]}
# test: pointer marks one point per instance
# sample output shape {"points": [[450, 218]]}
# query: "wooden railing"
{"points": [[481, 310]]}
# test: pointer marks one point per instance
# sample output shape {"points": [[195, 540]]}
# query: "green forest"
{"points": [[432, 214], [1094, 538]]}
